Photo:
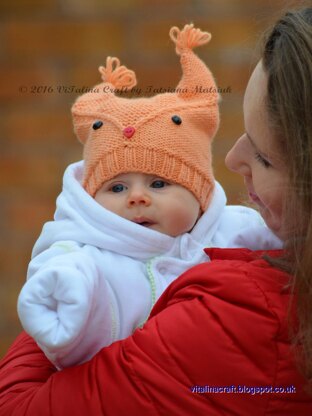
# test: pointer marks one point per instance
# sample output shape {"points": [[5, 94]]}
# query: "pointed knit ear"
{"points": [[196, 76], [87, 107]]}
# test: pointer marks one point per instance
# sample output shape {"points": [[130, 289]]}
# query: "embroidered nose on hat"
{"points": [[129, 132]]}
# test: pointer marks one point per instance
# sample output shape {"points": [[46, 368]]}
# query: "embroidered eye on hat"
{"points": [[167, 135]]}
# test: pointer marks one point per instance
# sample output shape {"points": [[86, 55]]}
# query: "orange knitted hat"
{"points": [[168, 135]]}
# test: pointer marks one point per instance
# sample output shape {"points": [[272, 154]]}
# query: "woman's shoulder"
{"points": [[245, 265], [233, 274], [240, 287], [230, 313]]}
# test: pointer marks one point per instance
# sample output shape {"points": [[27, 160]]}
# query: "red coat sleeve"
{"points": [[23, 373], [201, 333]]}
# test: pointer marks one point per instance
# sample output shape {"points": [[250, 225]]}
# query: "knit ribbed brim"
{"points": [[156, 162]]}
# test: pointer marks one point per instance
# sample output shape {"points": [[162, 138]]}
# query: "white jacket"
{"points": [[95, 276]]}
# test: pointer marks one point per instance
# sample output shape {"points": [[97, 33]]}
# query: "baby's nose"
{"points": [[139, 197]]}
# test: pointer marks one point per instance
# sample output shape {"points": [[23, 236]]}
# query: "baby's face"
{"points": [[150, 201]]}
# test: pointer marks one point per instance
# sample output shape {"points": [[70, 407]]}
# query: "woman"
{"points": [[218, 341]]}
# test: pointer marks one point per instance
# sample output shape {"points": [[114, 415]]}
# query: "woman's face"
{"points": [[256, 157]]}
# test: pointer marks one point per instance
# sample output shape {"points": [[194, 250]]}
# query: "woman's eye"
{"points": [[159, 184], [117, 188], [263, 161]]}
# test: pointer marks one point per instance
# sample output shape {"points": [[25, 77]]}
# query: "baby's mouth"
{"points": [[145, 222]]}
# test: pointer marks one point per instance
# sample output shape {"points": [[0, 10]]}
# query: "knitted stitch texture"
{"points": [[167, 135]]}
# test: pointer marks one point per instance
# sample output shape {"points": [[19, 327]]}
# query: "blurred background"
{"points": [[52, 48]]}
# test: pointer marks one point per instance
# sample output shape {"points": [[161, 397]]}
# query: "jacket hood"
{"points": [[80, 218]]}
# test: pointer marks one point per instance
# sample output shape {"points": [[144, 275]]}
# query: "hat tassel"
{"points": [[188, 38], [117, 75]]}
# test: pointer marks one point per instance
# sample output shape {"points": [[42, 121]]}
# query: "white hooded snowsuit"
{"points": [[95, 276]]}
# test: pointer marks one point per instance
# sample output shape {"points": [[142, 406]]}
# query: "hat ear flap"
{"points": [[87, 108]]}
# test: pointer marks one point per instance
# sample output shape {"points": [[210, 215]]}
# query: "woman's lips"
{"points": [[254, 198], [252, 195]]}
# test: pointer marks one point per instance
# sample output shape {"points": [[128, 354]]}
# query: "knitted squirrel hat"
{"points": [[167, 135]]}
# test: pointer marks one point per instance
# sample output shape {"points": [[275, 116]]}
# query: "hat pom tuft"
{"points": [[117, 75], [188, 38]]}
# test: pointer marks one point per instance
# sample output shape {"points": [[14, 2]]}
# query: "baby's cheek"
{"points": [[186, 220]]}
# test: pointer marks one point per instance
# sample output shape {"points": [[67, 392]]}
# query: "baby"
{"points": [[135, 214]]}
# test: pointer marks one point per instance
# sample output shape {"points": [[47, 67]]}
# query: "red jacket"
{"points": [[221, 326]]}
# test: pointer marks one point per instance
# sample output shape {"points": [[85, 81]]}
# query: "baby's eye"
{"points": [[119, 187], [159, 183]]}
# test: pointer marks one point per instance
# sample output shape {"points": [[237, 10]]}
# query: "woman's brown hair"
{"points": [[287, 61]]}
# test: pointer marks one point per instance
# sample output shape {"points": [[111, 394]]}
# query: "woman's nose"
{"points": [[237, 159], [138, 196]]}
